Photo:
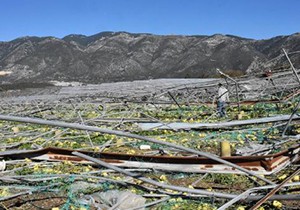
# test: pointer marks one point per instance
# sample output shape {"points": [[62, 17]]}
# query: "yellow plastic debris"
{"points": [[225, 149]]}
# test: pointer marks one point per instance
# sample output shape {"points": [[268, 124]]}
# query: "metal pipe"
{"points": [[293, 68], [121, 133], [151, 181], [290, 119], [236, 87], [274, 190], [245, 195]]}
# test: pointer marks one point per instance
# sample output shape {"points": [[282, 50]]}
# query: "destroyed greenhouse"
{"points": [[155, 144]]}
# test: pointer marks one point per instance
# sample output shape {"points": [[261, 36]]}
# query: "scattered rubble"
{"points": [[152, 145]]}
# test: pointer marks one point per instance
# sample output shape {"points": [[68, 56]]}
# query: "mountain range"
{"points": [[122, 56]]}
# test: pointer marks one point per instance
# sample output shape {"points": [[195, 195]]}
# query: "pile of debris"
{"points": [[165, 148]]}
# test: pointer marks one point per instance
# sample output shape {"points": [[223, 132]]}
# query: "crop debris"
{"points": [[152, 145]]}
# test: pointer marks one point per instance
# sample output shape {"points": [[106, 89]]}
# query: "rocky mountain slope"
{"points": [[121, 56]]}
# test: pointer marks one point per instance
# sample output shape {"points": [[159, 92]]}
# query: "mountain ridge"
{"points": [[122, 56]]}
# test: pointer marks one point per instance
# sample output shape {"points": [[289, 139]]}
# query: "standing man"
{"points": [[223, 97]]}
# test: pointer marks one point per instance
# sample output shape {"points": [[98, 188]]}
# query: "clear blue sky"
{"points": [[258, 19]]}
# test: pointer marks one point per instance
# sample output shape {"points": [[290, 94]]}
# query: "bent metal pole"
{"points": [[151, 181], [129, 135]]}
